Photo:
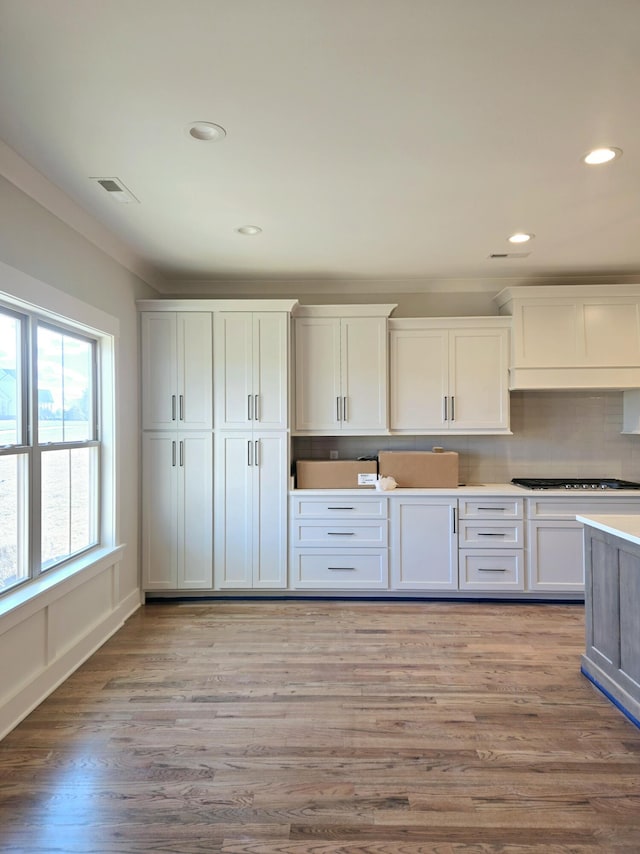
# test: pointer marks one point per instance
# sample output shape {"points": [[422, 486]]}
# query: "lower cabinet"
{"points": [[424, 544], [250, 500], [491, 540], [177, 511]]}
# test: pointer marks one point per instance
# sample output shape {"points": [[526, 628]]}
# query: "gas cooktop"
{"points": [[574, 483]]}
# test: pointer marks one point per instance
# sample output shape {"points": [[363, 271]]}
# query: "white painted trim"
{"points": [[217, 305], [576, 291], [483, 322], [365, 310]]}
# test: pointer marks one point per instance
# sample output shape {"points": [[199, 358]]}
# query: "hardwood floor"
{"points": [[323, 727]]}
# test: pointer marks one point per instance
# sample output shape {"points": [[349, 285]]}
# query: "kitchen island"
{"points": [[612, 609]]}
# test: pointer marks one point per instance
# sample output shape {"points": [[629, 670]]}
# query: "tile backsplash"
{"points": [[555, 434]]}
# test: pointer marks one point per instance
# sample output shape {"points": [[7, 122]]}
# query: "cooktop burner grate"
{"points": [[574, 483]]}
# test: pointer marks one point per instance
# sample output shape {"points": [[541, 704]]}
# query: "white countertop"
{"points": [[625, 527], [483, 490]]}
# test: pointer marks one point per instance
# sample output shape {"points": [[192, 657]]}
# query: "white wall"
{"points": [[35, 242]]}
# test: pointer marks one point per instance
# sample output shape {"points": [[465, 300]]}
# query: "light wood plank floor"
{"points": [[323, 727]]}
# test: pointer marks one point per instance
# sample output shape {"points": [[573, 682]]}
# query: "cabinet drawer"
{"points": [[323, 569], [569, 508], [491, 508], [338, 507], [491, 535], [489, 569], [329, 534]]}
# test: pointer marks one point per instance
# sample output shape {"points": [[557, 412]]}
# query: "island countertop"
{"points": [[625, 527]]}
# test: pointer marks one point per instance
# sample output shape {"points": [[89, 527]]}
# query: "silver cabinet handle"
{"points": [[340, 508], [345, 417], [249, 453], [338, 410], [492, 508], [453, 408], [445, 418], [181, 453], [256, 454], [256, 412], [342, 568], [487, 534], [453, 520], [173, 407], [181, 407], [341, 533], [249, 407], [173, 453], [492, 569]]}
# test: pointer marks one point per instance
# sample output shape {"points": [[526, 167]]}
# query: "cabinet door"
{"points": [[195, 511], [363, 349], [479, 380], [233, 517], [159, 511], [159, 370], [556, 556], [317, 365], [269, 519], [418, 379], [424, 544], [233, 343], [270, 370], [194, 370]]}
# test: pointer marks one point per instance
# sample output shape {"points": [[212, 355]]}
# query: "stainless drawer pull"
{"points": [[342, 568], [492, 508], [490, 569], [341, 508], [341, 533], [482, 534]]}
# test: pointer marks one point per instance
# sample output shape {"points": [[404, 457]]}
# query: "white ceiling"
{"points": [[367, 138]]}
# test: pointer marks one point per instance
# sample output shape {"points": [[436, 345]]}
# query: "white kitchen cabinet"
{"points": [[424, 543], [250, 528], [555, 548], [251, 351], [341, 369], [177, 370], [178, 511], [585, 336], [449, 375], [491, 541]]}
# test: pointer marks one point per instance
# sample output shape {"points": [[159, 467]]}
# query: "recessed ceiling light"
{"points": [[206, 131], [601, 155], [520, 237], [249, 229]]}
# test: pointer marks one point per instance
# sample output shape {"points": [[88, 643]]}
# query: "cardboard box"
{"points": [[334, 474], [414, 469]]}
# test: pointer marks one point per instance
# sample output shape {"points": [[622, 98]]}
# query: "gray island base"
{"points": [[612, 609]]}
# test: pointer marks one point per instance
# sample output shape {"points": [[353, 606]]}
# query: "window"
{"points": [[49, 445]]}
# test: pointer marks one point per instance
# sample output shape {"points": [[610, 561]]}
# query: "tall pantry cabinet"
{"points": [[215, 443]]}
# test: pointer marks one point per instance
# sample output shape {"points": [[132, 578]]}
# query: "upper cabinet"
{"points": [[176, 370], [341, 369], [449, 375], [574, 337], [251, 370]]}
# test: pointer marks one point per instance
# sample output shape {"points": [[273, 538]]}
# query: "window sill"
{"points": [[34, 595]]}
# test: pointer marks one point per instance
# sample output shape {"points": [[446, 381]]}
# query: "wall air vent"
{"points": [[500, 255], [116, 190]]}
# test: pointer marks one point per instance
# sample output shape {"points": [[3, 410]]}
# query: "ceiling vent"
{"points": [[498, 256], [117, 190]]}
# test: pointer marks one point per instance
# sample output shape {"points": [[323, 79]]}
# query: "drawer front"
{"points": [[324, 569], [491, 569], [491, 508], [338, 508], [329, 535], [567, 508], [491, 535]]}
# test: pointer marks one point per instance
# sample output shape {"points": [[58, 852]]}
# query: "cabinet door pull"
{"points": [[181, 407], [487, 534], [445, 418], [345, 417], [181, 453], [338, 410], [492, 569], [249, 453], [492, 508], [341, 533], [340, 508], [342, 568], [256, 452], [453, 408], [256, 411], [173, 453], [453, 519], [249, 407], [173, 407]]}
